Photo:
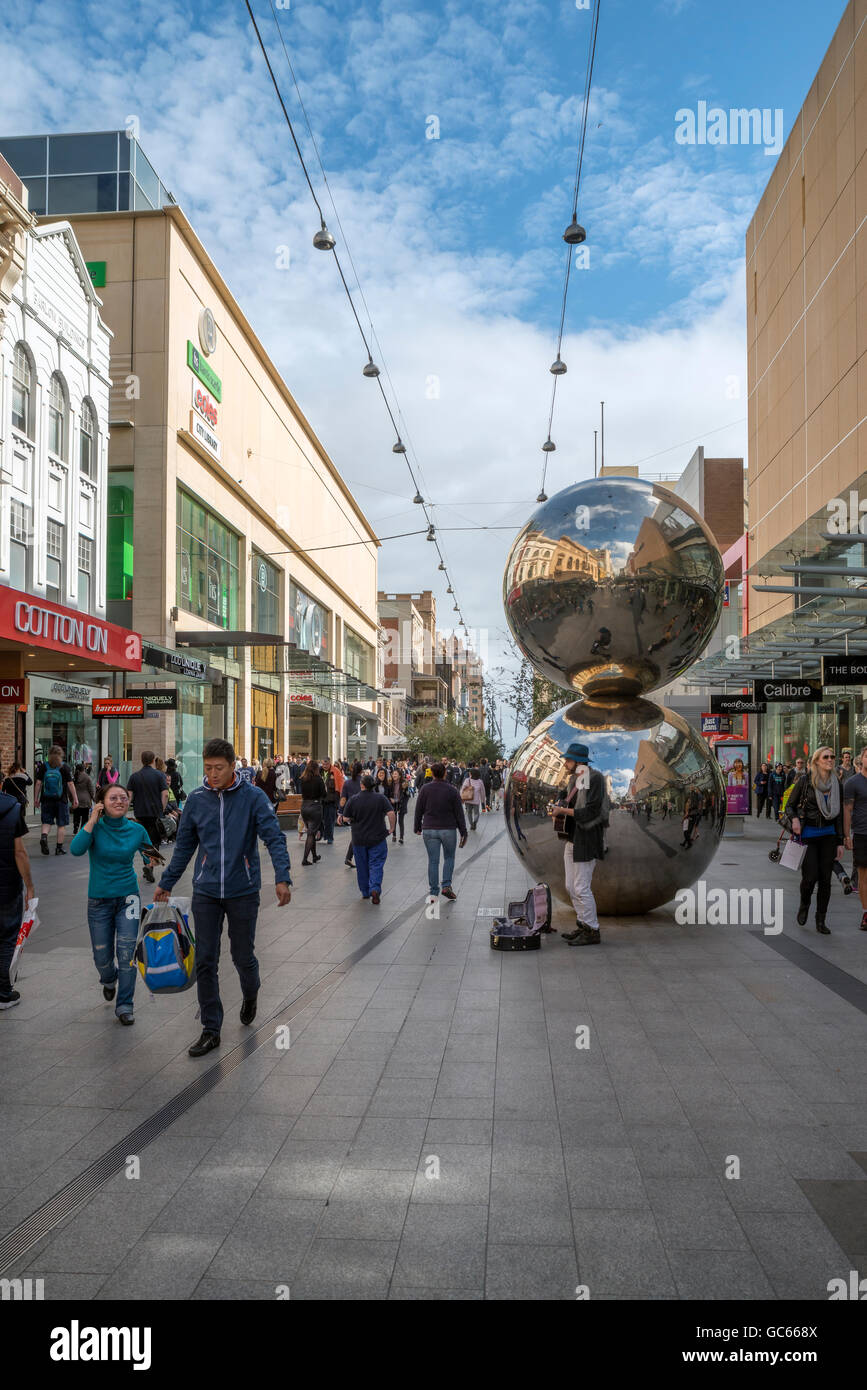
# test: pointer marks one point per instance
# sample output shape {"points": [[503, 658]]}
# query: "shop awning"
{"points": [[303, 670]]}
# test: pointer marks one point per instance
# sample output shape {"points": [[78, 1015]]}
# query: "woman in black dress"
{"points": [[312, 797]]}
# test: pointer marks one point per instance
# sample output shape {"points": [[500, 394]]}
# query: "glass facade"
{"points": [[264, 722], [100, 171], [265, 615], [70, 726], [357, 657], [208, 580]]}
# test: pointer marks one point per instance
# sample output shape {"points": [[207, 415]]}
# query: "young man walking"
{"points": [[55, 790], [368, 813], [223, 821], [149, 791], [15, 882], [439, 819]]}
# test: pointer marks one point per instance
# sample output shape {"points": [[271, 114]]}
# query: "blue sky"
{"points": [[457, 240]]}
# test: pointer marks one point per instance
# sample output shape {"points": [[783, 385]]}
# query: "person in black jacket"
{"points": [[398, 796], [583, 804], [329, 802], [312, 797], [815, 809], [351, 787], [439, 819], [776, 787]]}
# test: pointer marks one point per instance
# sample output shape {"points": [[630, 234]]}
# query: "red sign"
{"points": [[130, 707], [295, 699], [37, 622], [14, 691]]}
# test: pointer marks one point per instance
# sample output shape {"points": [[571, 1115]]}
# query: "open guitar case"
{"points": [[525, 922]]}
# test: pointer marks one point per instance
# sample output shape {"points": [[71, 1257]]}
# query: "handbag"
{"points": [[793, 855]]}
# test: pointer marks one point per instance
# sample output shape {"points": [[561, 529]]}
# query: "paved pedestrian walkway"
{"points": [[433, 1131]]}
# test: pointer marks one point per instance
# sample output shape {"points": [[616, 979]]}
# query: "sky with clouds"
{"points": [[456, 241]]}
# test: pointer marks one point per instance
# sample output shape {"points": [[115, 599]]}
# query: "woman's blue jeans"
{"points": [[114, 924], [433, 841]]}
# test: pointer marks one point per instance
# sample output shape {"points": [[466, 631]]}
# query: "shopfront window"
{"points": [[207, 564], [264, 709], [357, 657], [70, 726], [119, 566], [266, 614]]}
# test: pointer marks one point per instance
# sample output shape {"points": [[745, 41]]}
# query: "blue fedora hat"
{"points": [[578, 753]]}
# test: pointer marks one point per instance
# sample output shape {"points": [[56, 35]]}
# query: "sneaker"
{"points": [[8, 1001], [108, 992], [863, 926], [58, 849], [43, 843], [206, 1043], [450, 894], [126, 1019], [587, 937], [248, 1010]]}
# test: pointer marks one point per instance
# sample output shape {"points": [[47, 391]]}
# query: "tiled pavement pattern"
{"points": [[558, 1166]]}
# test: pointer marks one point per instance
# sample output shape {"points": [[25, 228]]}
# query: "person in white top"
{"points": [[473, 808]]}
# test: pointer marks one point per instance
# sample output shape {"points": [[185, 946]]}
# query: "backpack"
{"points": [[165, 949], [52, 782]]}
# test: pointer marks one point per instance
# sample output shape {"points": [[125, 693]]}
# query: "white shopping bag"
{"points": [[29, 924], [793, 855]]}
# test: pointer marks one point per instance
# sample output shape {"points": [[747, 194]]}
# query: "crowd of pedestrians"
{"points": [[118, 823]]}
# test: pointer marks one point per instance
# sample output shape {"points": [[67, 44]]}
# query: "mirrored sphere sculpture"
{"points": [[659, 775], [613, 587]]}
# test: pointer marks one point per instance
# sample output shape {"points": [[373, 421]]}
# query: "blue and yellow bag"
{"points": [[165, 950]]}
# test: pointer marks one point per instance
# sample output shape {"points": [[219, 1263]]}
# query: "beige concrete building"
{"points": [[806, 252], [218, 486]]}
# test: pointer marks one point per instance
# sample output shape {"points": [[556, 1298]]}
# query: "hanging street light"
{"points": [[549, 446], [370, 368], [574, 234], [558, 367], [323, 240], [399, 447]]}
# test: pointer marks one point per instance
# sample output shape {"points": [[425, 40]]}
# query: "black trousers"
{"points": [[816, 869], [153, 830]]}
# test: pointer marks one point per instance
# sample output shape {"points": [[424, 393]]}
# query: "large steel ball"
{"points": [[613, 587], [667, 794]]}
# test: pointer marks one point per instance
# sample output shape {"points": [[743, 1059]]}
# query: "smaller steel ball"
{"points": [[613, 587], [667, 802]]}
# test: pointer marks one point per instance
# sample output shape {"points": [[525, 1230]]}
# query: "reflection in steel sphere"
{"points": [[667, 798], [613, 587]]}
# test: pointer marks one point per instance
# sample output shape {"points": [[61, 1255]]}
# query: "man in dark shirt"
{"points": [[15, 878], [368, 813], [439, 817], [855, 828], [150, 793], [351, 787]]}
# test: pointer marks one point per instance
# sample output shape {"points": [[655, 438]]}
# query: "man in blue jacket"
{"points": [[221, 823]]}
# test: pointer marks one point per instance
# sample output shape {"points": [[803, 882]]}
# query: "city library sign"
{"points": [[41, 623]]}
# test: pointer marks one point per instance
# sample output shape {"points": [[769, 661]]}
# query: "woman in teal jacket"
{"points": [[113, 903]]}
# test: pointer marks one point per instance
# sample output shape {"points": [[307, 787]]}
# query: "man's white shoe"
{"points": [[431, 898]]}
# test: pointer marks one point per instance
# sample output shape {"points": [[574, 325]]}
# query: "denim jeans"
{"points": [[369, 864], [472, 811], [113, 924], [208, 914], [329, 816], [433, 840], [11, 916]]}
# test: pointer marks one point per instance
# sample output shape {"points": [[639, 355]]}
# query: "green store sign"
{"points": [[96, 271], [206, 374]]}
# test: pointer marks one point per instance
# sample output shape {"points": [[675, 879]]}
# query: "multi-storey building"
{"points": [[54, 428]]}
